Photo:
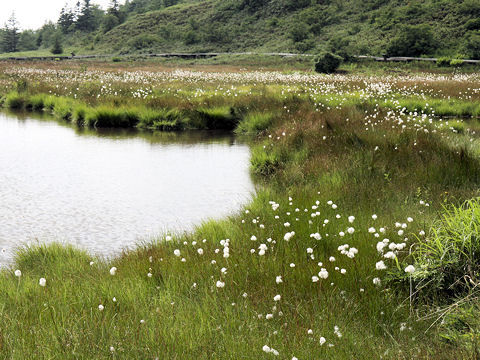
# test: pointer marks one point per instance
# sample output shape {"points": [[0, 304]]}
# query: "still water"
{"points": [[110, 190]]}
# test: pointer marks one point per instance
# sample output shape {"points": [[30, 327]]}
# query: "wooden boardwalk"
{"points": [[215, 54]]}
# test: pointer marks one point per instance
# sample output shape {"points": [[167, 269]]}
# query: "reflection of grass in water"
{"points": [[153, 137]]}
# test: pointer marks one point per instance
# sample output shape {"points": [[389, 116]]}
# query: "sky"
{"points": [[32, 14]]}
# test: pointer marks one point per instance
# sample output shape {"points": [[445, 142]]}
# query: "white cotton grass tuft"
{"points": [[42, 282], [288, 235], [18, 273], [113, 270], [410, 269]]}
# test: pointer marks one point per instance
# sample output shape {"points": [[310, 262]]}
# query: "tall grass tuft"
{"points": [[161, 119], [105, 116], [254, 123], [35, 102], [447, 260], [216, 118], [14, 101]]}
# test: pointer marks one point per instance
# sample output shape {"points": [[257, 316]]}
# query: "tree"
{"points": [[109, 22], [114, 8], [472, 44], [10, 35], [85, 20], [46, 35], [57, 47], [27, 41], [66, 19], [412, 40]]}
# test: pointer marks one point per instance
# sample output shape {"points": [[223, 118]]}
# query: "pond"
{"points": [[109, 190]]}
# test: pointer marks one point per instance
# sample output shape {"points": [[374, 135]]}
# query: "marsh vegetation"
{"points": [[345, 251]]}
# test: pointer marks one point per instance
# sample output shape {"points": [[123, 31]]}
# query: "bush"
{"points": [[144, 41], [412, 41], [473, 24], [57, 47], [299, 32], [327, 63], [305, 45], [342, 47], [471, 44], [190, 37]]}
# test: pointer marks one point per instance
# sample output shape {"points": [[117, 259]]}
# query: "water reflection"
{"points": [[106, 190]]}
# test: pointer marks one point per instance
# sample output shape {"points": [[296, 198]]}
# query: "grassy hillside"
{"points": [[364, 27]]}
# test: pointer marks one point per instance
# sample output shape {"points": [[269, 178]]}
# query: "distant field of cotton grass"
{"points": [[360, 242]]}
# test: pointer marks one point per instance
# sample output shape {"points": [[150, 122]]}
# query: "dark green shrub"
{"points": [[412, 40], [327, 63], [473, 24], [292, 5], [342, 47], [471, 44], [190, 37], [57, 47], [305, 45], [116, 59], [109, 22], [144, 41], [299, 32], [470, 8]]}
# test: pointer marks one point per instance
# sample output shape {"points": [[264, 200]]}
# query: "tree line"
{"points": [[73, 22]]}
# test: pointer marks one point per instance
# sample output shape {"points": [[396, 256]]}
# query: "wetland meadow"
{"points": [[315, 216]]}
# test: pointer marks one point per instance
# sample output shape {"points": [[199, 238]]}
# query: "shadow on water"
{"points": [[188, 137]]}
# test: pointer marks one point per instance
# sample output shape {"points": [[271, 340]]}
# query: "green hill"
{"points": [[364, 27], [369, 27]]}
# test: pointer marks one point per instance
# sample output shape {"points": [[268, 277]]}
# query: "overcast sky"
{"points": [[32, 14]]}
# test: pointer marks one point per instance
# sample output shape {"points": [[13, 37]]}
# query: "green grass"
{"points": [[314, 164], [255, 123]]}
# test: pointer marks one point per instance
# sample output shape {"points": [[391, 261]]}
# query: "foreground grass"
{"points": [[320, 155]]}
